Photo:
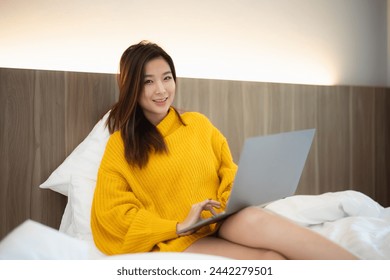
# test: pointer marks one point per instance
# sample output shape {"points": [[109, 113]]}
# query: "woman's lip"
{"points": [[160, 100]]}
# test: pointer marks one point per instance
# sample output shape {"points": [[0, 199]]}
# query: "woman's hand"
{"points": [[195, 212]]}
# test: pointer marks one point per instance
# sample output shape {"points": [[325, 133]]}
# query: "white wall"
{"points": [[293, 41]]}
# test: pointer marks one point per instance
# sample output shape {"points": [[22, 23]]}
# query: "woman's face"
{"points": [[158, 91]]}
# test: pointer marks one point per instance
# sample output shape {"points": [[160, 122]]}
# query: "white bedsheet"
{"points": [[34, 241], [349, 218]]}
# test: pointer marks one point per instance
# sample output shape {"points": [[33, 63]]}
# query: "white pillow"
{"points": [[67, 220], [34, 241], [84, 161], [80, 202]]}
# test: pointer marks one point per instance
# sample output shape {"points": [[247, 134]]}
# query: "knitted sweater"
{"points": [[137, 210]]}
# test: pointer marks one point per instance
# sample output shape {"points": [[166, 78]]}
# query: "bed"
{"points": [[349, 218], [52, 140]]}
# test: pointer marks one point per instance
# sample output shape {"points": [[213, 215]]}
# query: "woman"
{"points": [[163, 171]]}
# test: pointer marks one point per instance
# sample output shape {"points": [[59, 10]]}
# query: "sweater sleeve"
{"points": [[226, 172], [120, 224]]}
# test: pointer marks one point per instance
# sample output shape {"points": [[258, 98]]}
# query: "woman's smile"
{"points": [[161, 100]]}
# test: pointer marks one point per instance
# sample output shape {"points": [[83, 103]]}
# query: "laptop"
{"points": [[269, 169]]}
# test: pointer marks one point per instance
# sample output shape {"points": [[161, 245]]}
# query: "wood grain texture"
{"points": [[333, 136], [16, 147], [382, 145], [88, 97], [44, 115], [48, 144], [350, 149]]}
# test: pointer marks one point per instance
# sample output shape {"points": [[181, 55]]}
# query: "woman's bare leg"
{"points": [[258, 228], [224, 248]]}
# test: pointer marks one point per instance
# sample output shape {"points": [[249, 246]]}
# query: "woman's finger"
{"points": [[211, 202], [210, 205], [212, 210]]}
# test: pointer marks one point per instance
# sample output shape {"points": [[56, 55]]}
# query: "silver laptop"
{"points": [[269, 169]]}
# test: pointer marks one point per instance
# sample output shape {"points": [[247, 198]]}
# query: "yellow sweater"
{"points": [[136, 210]]}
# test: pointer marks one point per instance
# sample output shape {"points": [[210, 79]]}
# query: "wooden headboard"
{"points": [[46, 114]]}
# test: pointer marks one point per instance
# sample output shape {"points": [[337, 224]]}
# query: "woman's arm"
{"points": [[226, 173], [120, 223]]}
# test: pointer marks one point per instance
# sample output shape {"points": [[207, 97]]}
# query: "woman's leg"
{"points": [[258, 228], [224, 248]]}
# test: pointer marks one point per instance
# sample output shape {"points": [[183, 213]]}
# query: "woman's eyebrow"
{"points": [[165, 73]]}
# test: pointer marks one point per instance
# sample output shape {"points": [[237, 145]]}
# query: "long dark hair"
{"points": [[140, 136]]}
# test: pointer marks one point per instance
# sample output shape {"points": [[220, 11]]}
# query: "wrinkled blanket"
{"points": [[349, 218]]}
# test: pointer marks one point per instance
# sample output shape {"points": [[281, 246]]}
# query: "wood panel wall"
{"points": [[351, 146], [44, 115]]}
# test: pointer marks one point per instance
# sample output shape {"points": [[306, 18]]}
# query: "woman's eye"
{"points": [[167, 78], [148, 82]]}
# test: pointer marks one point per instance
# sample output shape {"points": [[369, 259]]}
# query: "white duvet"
{"points": [[349, 218]]}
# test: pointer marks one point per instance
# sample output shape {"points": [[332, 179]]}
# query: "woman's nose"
{"points": [[160, 87]]}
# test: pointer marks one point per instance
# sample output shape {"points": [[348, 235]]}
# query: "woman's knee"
{"points": [[250, 219], [272, 255], [253, 216]]}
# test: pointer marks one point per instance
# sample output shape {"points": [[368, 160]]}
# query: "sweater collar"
{"points": [[169, 124]]}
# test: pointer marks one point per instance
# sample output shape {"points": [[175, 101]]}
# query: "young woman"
{"points": [[162, 171]]}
